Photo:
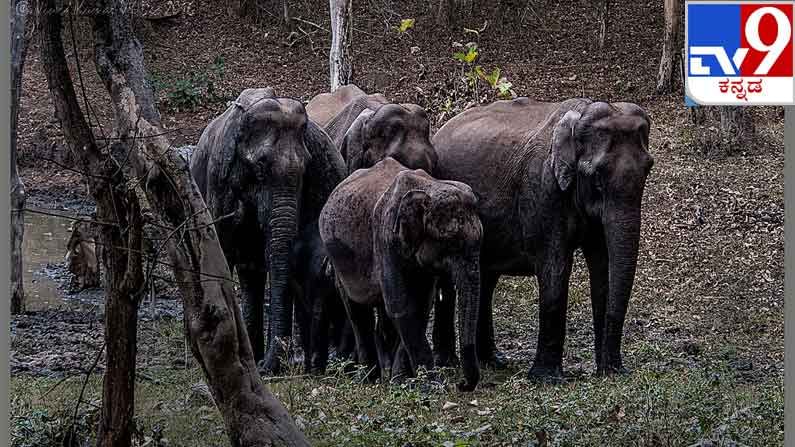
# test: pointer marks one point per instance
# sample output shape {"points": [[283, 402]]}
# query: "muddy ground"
{"points": [[704, 334]]}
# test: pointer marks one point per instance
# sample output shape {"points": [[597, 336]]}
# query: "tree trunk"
{"points": [[213, 321], [670, 45], [450, 11], [723, 130], [736, 128], [18, 16], [604, 11], [340, 59], [122, 236]]}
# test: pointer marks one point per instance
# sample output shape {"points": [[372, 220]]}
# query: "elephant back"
{"points": [[340, 123]]}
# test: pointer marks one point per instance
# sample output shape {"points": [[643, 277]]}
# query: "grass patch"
{"points": [[677, 407]]}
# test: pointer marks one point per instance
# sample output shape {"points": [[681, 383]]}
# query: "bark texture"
{"points": [[604, 11], [450, 12], [166, 191], [117, 205], [18, 16], [340, 58], [723, 130], [673, 10]]}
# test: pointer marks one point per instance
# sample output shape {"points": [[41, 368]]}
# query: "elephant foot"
{"points": [[466, 386], [604, 371], [275, 357], [546, 374], [445, 359], [495, 360], [372, 374]]}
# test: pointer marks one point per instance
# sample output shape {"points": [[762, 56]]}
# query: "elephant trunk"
{"points": [[467, 280], [283, 224], [622, 235]]}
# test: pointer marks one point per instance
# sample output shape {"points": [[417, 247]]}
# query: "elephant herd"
{"points": [[361, 221]]}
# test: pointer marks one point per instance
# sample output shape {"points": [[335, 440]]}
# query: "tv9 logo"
{"points": [[739, 53]]}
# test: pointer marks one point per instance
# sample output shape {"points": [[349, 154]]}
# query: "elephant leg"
{"points": [[361, 317], [412, 328], [444, 339], [318, 333], [344, 341], [382, 341], [598, 273], [553, 282], [304, 315], [252, 286], [347, 343], [487, 345]]}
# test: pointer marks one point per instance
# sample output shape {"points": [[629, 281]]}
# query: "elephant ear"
{"points": [[324, 171], [468, 192], [564, 150], [354, 144], [408, 222]]}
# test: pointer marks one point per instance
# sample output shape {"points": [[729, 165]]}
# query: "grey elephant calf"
{"points": [[390, 232]]}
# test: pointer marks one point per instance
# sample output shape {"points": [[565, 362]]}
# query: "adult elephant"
{"points": [[367, 128], [325, 106], [552, 177], [265, 172]]}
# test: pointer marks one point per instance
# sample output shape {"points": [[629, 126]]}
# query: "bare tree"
{"points": [[723, 130], [119, 209], [256, 8], [604, 11], [450, 11], [18, 49], [142, 176], [340, 58], [673, 11]]}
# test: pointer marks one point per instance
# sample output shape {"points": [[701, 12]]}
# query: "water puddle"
{"points": [[43, 251]]}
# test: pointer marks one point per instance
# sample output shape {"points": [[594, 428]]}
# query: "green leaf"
{"points": [[505, 88], [405, 25], [471, 55]]}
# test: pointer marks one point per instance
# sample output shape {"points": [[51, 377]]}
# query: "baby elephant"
{"points": [[390, 232]]}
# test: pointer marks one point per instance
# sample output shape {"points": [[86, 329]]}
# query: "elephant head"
{"points": [[400, 131], [602, 155], [435, 225]]}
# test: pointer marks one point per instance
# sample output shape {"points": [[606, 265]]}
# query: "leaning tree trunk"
{"points": [[213, 321], [340, 58], [670, 45], [18, 16], [121, 235]]}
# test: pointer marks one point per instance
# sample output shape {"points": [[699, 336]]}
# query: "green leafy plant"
{"points": [[405, 25], [196, 89], [467, 54], [498, 84]]}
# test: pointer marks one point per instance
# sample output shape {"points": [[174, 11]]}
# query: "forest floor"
{"points": [[704, 334]]}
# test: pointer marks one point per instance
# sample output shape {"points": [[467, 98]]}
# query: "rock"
{"points": [[448, 405]]}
